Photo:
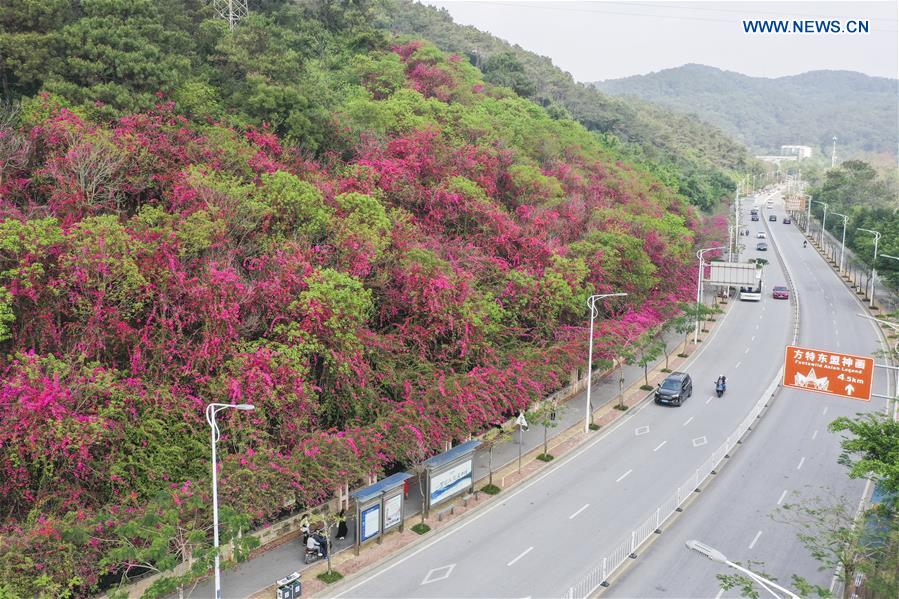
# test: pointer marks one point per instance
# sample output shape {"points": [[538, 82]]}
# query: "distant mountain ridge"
{"points": [[808, 109]]}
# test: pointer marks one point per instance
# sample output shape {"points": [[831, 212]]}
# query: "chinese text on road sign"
{"points": [[829, 372]]}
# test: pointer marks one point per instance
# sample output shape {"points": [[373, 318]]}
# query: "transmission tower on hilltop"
{"points": [[231, 10]]}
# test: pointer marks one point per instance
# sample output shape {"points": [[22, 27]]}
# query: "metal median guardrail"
{"points": [[628, 546]]}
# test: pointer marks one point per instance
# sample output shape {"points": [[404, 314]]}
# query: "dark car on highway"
{"points": [[780, 292], [755, 217], [761, 246], [773, 217], [787, 220], [677, 387]]}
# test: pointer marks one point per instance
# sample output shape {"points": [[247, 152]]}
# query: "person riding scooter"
{"points": [[721, 385]]}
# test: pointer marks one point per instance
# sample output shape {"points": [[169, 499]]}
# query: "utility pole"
{"points": [[833, 156], [231, 10]]}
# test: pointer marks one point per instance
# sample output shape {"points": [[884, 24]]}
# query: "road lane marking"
{"points": [[720, 592], [575, 515], [708, 400], [753, 338], [814, 434], [700, 441], [756, 327], [523, 553], [641, 430], [755, 539], [623, 476], [438, 577], [659, 446], [824, 412], [801, 462], [747, 351], [738, 364], [782, 497], [688, 421]]}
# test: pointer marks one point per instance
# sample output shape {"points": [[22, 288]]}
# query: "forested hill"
{"points": [[807, 109], [355, 233], [689, 154]]}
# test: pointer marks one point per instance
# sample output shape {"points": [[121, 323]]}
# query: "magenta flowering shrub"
{"points": [[372, 305]]}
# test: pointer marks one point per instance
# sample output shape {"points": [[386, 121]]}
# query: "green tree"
{"points": [[872, 450]]}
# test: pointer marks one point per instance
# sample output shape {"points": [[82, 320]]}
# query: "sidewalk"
{"points": [[256, 577]]}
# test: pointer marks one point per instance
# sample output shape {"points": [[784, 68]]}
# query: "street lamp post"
{"points": [[211, 410], [823, 221], [808, 217], [876, 235], [833, 156], [719, 558], [699, 288], [843, 243], [594, 312]]}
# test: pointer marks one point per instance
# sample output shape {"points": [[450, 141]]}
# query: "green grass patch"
{"points": [[667, 370], [594, 427], [490, 489], [420, 528], [545, 457], [620, 407], [647, 387], [330, 577], [682, 356]]}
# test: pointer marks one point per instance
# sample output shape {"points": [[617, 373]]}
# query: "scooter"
{"points": [[720, 388], [319, 552]]}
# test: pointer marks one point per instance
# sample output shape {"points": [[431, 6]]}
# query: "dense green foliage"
{"points": [[357, 234], [688, 155], [871, 202], [807, 109]]}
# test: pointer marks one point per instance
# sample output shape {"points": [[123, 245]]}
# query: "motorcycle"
{"points": [[319, 552], [720, 387]]}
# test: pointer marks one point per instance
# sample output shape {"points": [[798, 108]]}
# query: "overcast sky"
{"points": [[606, 40]]}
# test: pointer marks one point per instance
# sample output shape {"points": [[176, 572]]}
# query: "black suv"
{"points": [[677, 387]]}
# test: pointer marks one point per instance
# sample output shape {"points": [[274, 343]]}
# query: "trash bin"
{"points": [[290, 587]]}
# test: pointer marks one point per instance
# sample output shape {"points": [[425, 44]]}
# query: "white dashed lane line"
{"points": [[577, 513], [782, 497], [688, 421], [814, 434], [523, 553], [659, 446], [755, 539], [801, 462], [623, 476], [824, 412]]}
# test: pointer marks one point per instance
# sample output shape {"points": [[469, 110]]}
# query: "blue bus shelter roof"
{"points": [[452, 454], [366, 493]]}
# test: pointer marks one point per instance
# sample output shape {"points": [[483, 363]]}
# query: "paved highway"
{"points": [[788, 454], [545, 536]]}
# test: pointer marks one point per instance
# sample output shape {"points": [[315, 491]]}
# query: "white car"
{"points": [[761, 235]]}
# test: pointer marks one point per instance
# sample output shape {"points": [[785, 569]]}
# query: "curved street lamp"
{"points": [[719, 558], [211, 410], [594, 312], [876, 235]]}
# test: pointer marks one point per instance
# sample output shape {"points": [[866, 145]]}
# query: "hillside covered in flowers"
{"points": [[414, 274]]}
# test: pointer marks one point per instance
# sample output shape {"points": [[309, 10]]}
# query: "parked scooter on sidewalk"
{"points": [[721, 385]]}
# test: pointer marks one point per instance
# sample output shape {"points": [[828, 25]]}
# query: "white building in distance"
{"points": [[798, 151]]}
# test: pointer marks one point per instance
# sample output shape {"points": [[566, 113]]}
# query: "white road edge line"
{"points": [[720, 592], [782, 497], [659, 446], [755, 539], [575, 515], [623, 476], [801, 462], [523, 553]]}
